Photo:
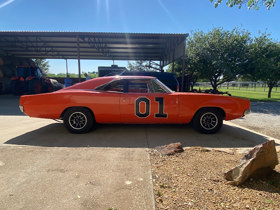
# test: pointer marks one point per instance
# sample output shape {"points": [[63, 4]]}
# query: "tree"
{"points": [[192, 69], [141, 65], [249, 3], [220, 56], [265, 61], [137, 65], [43, 64]]}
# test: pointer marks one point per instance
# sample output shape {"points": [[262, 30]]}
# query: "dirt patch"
{"points": [[194, 180]]}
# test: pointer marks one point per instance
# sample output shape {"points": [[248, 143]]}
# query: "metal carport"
{"points": [[165, 48]]}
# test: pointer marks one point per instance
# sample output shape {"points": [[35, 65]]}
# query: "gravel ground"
{"points": [[194, 178]]}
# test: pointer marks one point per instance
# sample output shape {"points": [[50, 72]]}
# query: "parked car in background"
{"points": [[135, 100]]}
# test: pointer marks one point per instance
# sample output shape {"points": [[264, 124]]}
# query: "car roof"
{"points": [[146, 73], [133, 77], [95, 82]]}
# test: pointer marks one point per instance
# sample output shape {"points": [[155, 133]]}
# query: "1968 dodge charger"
{"points": [[132, 99]]}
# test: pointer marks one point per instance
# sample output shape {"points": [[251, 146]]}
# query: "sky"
{"points": [[132, 16]]}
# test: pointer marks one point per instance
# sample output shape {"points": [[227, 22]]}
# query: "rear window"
{"points": [[115, 86]]}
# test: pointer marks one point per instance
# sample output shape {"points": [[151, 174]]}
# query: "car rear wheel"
{"points": [[208, 120], [78, 120]]}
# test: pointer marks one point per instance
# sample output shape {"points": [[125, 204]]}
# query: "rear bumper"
{"points": [[246, 112]]}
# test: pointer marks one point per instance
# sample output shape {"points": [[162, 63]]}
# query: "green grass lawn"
{"points": [[252, 95]]}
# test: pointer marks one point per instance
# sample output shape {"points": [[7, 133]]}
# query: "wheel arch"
{"points": [[71, 107], [211, 108]]}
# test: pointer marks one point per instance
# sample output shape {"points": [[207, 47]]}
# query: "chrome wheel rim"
{"points": [[209, 121], [77, 120]]}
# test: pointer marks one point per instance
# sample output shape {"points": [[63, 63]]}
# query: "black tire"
{"points": [[208, 120], [78, 120]]}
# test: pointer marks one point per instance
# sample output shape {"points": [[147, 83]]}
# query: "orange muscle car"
{"points": [[132, 99]]}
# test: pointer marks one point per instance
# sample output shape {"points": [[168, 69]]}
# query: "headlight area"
{"points": [[21, 108], [246, 112]]}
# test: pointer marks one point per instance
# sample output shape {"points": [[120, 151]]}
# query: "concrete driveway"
{"points": [[42, 166]]}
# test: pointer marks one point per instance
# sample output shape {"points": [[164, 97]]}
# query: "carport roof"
{"points": [[93, 45]]}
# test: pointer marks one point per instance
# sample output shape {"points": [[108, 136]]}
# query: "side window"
{"points": [[115, 86], [138, 86]]}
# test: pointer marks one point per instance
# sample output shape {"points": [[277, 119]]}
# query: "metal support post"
{"points": [[66, 67], [183, 68], [173, 61], [79, 63]]}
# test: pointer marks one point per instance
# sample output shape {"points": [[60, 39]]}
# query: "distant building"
{"points": [[110, 70]]}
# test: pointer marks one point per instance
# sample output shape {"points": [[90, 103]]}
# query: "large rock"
{"points": [[258, 162], [170, 149]]}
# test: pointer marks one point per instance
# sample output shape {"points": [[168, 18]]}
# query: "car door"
{"points": [[141, 105], [106, 104]]}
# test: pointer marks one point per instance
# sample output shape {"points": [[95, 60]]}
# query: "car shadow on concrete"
{"points": [[138, 136]]}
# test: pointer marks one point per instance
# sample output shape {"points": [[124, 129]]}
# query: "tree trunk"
{"points": [[214, 84], [215, 87], [269, 91]]}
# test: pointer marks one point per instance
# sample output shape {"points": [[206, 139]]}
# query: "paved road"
{"points": [[44, 166]]}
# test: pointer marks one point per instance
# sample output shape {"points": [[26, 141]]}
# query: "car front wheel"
{"points": [[208, 120], [78, 120]]}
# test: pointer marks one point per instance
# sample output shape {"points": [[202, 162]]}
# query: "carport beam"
{"points": [[79, 62]]}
